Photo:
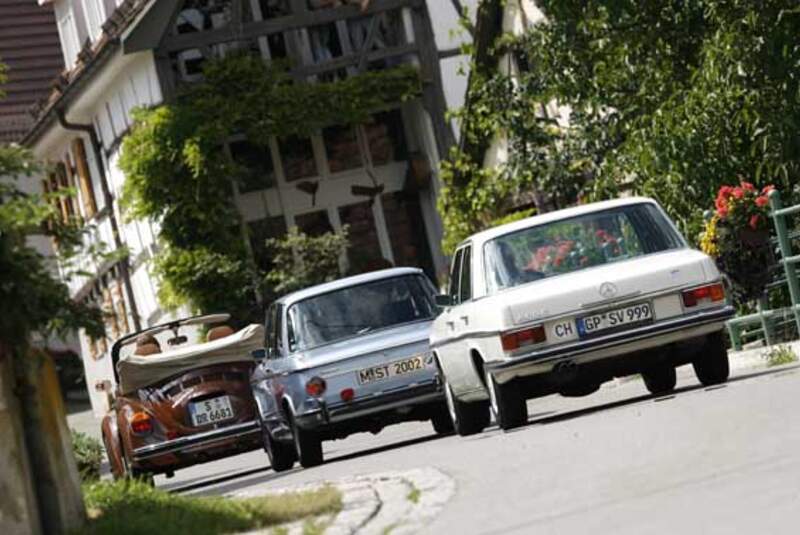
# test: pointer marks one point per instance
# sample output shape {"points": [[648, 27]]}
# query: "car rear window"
{"points": [[576, 243], [358, 310]]}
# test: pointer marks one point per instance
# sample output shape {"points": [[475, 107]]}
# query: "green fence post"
{"points": [[766, 326], [786, 253]]}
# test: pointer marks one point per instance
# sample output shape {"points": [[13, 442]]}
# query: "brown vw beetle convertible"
{"points": [[178, 403]]}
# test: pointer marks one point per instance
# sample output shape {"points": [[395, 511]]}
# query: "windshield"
{"points": [[577, 243], [358, 310]]}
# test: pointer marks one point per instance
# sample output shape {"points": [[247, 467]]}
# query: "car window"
{"points": [[357, 310], [270, 327], [576, 243], [465, 285], [455, 276]]}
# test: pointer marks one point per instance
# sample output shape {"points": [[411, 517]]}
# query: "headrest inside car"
{"points": [[147, 349], [219, 332]]}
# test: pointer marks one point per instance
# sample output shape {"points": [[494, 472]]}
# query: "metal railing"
{"points": [[769, 319]]}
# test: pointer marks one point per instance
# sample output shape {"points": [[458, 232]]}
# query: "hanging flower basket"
{"points": [[738, 238]]}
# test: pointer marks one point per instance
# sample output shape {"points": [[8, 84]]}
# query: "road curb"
{"points": [[388, 502]]}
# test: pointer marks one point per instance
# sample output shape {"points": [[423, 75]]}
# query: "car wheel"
{"points": [[282, 456], [467, 418], [711, 365], [660, 379], [441, 421], [308, 446], [508, 404]]}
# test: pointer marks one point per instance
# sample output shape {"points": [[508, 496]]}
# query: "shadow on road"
{"points": [[387, 447]]}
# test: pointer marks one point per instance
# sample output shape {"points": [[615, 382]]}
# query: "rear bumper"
{"points": [[617, 344], [407, 396], [195, 443]]}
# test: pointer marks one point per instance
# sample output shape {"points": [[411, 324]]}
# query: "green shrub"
{"points": [[89, 454], [780, 355], [132, 507]]}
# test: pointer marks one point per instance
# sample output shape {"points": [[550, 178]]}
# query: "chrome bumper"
{"points": [[206, 438], [401, 397], [609, 346]]}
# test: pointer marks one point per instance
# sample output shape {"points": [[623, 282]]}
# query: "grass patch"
{"points": [[132, 507], [414, 494], [780, 355]]}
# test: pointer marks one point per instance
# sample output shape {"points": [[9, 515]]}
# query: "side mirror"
{"points": [[259, 354], [443, 301]]}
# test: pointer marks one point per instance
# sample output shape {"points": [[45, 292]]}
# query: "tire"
{"points": [[282, 456], [308, 446], [711, 365], [508, 404], [660, 379], [467, 418], [441, 421]]}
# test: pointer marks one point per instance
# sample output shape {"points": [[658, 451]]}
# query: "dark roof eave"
{"points": [[44, 121]]}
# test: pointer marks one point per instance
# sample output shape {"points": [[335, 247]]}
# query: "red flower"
{"points": [[762, 201], [738, 193], [722, 211], [767, 189], [724, 192], [754, 221], [747, 186]]}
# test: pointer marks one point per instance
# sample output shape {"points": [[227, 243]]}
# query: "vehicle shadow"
{"points": [[238, 481], [387, 447], [588, 411]]}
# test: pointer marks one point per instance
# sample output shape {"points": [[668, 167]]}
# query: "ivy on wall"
{"points": [[179, 173]]}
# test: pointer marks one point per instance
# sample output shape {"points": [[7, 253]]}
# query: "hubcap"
{"points": [[451, 405], [492, 394]]}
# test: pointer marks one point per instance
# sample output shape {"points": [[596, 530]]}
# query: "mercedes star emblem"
{"points": [[608, 290]]}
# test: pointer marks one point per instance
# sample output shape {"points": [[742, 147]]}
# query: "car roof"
{"points": [[549, 217], [346, 282]]}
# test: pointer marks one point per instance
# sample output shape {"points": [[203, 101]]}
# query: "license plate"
{"points": [[615, 319], [393, 369], [211, 411]]}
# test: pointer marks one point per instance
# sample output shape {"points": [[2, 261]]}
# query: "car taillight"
{"points": [[704, 294], [316, 386], [514, 340], [347, 394], [141, 423]]}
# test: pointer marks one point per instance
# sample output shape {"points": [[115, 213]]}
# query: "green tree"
{"points": [[669, 99]]}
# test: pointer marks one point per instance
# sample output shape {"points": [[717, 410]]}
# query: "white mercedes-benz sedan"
{"points": [[564, 301]]}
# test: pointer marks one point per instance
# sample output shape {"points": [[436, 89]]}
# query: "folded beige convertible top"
{"points": [[139, 371]]}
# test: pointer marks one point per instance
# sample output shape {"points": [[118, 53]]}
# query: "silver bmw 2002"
{"points": [[346, 357]]}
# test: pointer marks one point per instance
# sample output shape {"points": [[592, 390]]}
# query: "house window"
{"points": [[341, 147], [364, 251], [261, 231], [271, 9], [256, 169], [297, 155], [199, 15], [314, 223], [386, 139], [93, 12], [406, 228], [68, 33]]}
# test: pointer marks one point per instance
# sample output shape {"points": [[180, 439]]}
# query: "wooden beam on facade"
{"points": [[302, 19], [354, 59]]}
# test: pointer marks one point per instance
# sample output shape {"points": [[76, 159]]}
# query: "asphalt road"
{"points": [[704, 460]]}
